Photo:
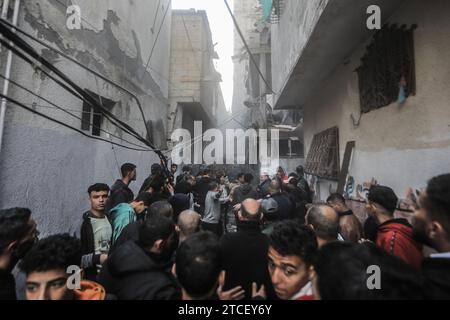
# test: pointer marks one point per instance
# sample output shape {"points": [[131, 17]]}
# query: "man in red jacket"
{"points": [[394, 235]]}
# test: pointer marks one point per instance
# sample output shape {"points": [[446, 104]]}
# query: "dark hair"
{"points": [[342, 273], [289, 238], [174, 165], [144, 196], [220, 174], [336, 198], [161, 207], [248, 178], [293, 181], [186, 169], [55, 252], [198, 264], [240, 174], [155, 227], [98, 187], [437, 200], [213, 185], [323, 227], [385, 197], [300, 171], [155, 168], [13, 225], [179, 203], [127, 168]]}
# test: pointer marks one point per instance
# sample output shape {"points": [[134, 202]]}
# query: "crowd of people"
{"points": [[202, 237]]}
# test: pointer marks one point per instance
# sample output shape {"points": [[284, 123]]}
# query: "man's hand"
{"points": [[236, 293], [237, 207], [258, 293], [103, 258], [170, 189]]}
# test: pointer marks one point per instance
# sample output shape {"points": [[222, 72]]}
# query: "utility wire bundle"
{"points": [[23, 50]]}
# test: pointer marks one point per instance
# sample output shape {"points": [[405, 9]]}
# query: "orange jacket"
{"points": [[90, 291]]}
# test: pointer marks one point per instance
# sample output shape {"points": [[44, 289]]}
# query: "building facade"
{"points": [[195, 93], [328, 63], [47, 167]]}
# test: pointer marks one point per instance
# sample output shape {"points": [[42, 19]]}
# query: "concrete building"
{"points": [[253, 96], [195, 93], [317, 47], [47, 167]]}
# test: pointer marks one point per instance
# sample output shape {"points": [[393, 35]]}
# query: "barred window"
{"points": [[387, 73], [323, 156]]}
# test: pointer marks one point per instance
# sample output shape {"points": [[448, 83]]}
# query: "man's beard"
{"points": [[419, 233], [169, 248]]}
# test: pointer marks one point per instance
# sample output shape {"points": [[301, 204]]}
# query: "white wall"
{"points": [[48, 168], [400, 145]]}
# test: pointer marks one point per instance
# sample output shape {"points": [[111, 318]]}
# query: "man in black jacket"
{"points": [[142, 270], [245, 190], [120, 192], [244, 253], [263, 187], [95, 231], [18, 233], [201, 189], [285, 205], [431, 226]]}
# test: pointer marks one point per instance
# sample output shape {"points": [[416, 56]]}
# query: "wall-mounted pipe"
{"points": [[8, 66]]}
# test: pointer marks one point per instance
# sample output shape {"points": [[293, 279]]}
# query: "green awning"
{"points": [[267, 7]]}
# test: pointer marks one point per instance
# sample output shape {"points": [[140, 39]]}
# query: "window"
{"points": [[92, 118], [292, 147], [323, 156], [387, 73]]}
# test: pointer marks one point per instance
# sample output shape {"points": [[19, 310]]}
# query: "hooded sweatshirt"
{"points": [[121, 215], [120, 193], [130, 273], [243, 192], [395, 237]]}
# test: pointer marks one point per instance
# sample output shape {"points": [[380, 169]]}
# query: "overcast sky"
{"points": [[222, 33]]}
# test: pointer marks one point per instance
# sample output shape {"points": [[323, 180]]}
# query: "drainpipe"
{"points": [[8, 66]]}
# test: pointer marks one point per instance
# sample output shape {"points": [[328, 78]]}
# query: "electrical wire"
{"points": [[77, 91], [79, 64], [252, 58], [66, 111], [157, 36], [64, 124]]}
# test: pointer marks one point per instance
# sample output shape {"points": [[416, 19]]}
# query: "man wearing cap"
{"points": [[270, 213], [394, 235]]}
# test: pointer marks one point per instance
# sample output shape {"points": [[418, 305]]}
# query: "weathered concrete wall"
{"points": [[400, 145], [195, 93], [47, 167], [186, 56], [290, 36], [247, 13]]}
